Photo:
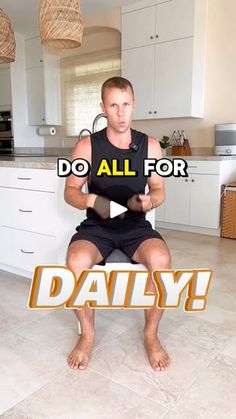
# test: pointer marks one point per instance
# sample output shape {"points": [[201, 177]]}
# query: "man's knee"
{"points": [[159, 259], [78, 259]]}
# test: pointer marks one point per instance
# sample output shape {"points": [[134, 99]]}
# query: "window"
{"points": [[82, 78]]}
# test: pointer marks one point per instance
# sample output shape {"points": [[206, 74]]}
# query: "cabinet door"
{"points": [[174, 20], [205, 201], [173, 87], [52, 90], [138, 28], [138, 67], [33, 52], [26, 250], [35, 96], [29, 210], [177, 200]]}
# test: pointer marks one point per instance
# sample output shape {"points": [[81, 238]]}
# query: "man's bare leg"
{"points": [[82, 255], [154, 254]]}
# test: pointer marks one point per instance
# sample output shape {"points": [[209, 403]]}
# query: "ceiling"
{"points": [[24, 13]]}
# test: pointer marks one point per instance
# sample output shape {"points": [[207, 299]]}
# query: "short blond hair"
{"points": [[118, 82]]}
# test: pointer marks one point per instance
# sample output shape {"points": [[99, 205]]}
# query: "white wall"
{"points": [[24, 135]]}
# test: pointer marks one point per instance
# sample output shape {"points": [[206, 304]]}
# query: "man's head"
{"points": [[118, 103], [118, 83]]}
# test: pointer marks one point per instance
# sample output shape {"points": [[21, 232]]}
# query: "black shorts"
{"points": [[123, 235]]}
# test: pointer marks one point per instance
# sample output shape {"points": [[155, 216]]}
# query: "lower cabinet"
{"points": [[36, 224], [193, 201], [204, 203], [26, 250], [196, 200]]}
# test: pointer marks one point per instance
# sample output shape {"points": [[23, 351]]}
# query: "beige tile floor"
{"points": [[119, 383]]}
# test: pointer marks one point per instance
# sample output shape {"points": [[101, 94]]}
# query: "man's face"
{"points": [[118, 106]]}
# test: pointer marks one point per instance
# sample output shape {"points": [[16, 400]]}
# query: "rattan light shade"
{"points": [[60, 23], [7, 40]]}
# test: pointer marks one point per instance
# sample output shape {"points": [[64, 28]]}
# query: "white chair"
{"points": [[117, 257]]}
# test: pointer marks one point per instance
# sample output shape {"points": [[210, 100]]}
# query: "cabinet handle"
{"points": [[24, 178], [157, 36], [27, 253], [151, 37], [21, 210], [43, 119], [192, 180], [155, 111], [150, 112], [186, 180], [41, 61]]}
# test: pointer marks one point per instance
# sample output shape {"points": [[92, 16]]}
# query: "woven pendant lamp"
{"points": [[7, 40], [61, 24]]}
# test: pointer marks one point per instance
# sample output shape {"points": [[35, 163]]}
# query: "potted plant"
{"points": [[165, 143]]}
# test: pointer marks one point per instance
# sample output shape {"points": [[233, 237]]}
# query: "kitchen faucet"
{"points": [[94, 126]]}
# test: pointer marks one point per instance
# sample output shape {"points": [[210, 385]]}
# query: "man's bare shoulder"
{"points": [[82, 149], [154, 148]]}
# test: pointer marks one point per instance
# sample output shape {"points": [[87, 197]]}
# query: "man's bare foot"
{"points": [[79, 357], [157, 356]]}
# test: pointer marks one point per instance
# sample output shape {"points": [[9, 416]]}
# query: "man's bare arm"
{"points": [[73, 194]]}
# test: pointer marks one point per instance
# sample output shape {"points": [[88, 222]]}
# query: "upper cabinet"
{"points": [[43, 84], [148, 25], [163, 55]]}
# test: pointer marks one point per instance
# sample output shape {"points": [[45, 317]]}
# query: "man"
{"points": [[98, 235]]}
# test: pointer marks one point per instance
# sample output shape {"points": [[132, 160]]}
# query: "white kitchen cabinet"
{"points": [[142, 75], [165, 57], [204, 210], [195, 201], [26, 250], [173, 79], [43, 84], [172, 94], [134, 32], [34, 210], [5, 87], [35, 222], [34, 53], [166, 21], [177, 200], [36, 96]]}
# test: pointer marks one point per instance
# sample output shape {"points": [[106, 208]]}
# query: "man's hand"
{"points": [[102, 207], [140, 203]]}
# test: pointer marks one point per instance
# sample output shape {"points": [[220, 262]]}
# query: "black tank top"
{"points": [[117, 188]]}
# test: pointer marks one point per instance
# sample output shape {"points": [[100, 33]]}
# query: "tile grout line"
{"points": [[32, 394], [197, 378], [124, 386]]}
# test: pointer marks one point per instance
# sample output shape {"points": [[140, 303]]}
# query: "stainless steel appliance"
{"points": [[6, 133], [225, 139]]}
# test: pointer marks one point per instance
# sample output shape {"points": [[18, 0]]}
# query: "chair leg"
{"points": [[79, 328]]}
